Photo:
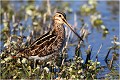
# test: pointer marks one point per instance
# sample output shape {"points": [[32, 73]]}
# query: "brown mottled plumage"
{"points": [[48, 45]]}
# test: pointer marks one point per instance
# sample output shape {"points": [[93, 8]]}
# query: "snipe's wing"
{"points": [[43, 46]]}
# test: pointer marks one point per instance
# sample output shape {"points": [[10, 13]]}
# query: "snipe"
{"points": [[48, 45]]}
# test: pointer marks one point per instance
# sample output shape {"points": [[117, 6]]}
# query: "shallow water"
{"points": [[95, 39]]}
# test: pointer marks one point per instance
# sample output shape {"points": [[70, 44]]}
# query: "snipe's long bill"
{"points": [[50, 44]]}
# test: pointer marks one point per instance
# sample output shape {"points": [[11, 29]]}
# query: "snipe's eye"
{"points": [[59, 15]]}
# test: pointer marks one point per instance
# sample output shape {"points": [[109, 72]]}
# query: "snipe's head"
{"points": [[59, 17]]}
